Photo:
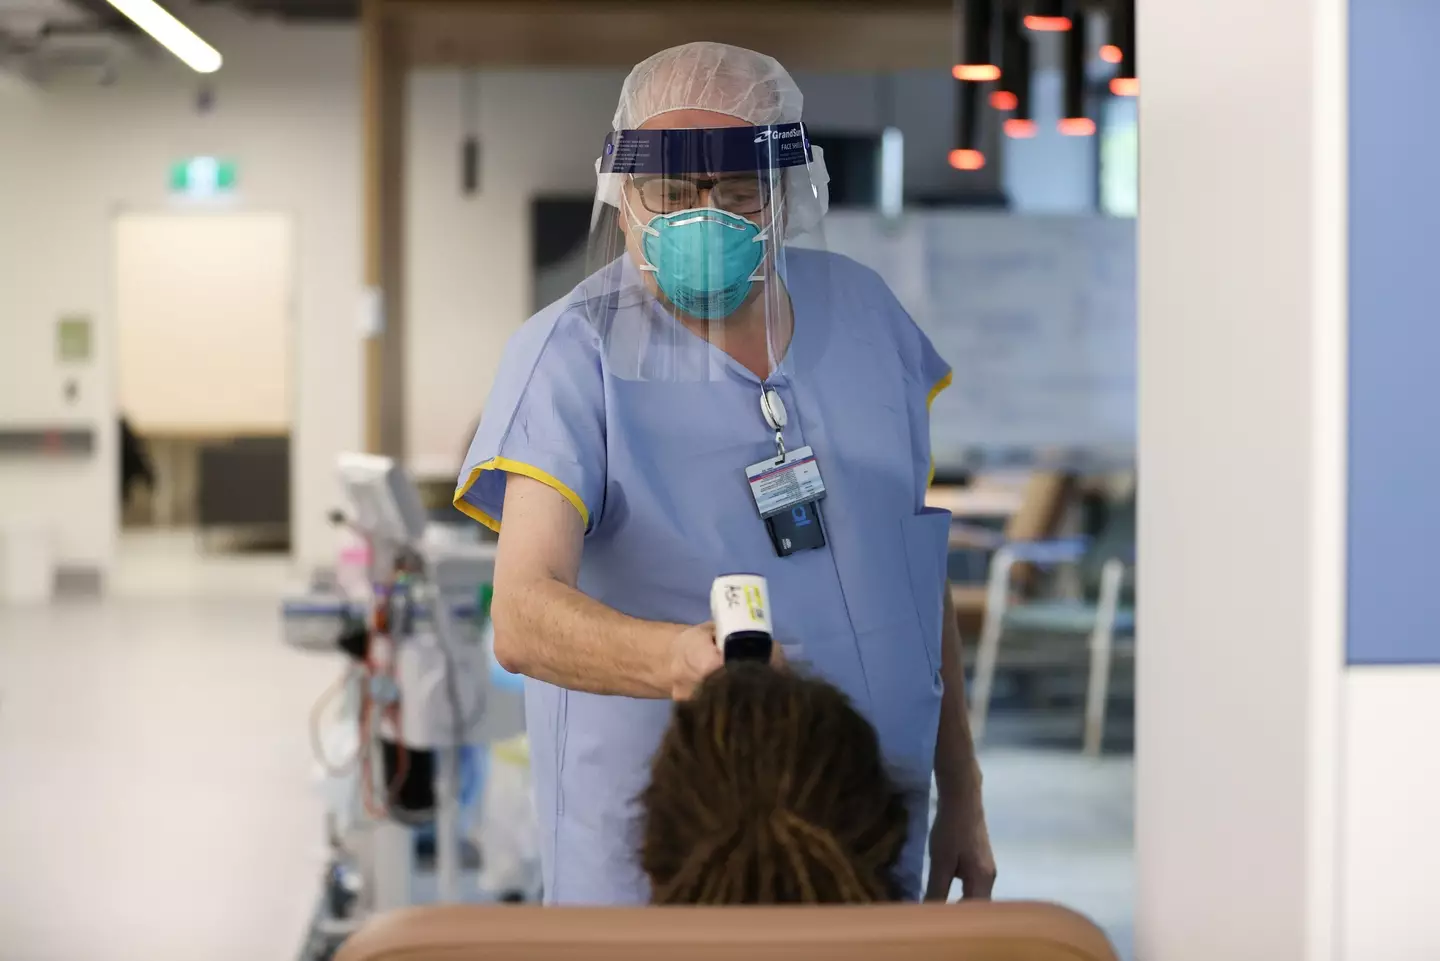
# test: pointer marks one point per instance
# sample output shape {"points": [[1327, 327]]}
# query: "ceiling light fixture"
{"points": [[1122, 31], [1074, 122], [1020, 124], [967, 154], [1003, 96], [1047, 16], [171, 34], [974, 19]]}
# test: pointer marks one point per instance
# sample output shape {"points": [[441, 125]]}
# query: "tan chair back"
{"points": [[1013, 931], [1041, 506]]}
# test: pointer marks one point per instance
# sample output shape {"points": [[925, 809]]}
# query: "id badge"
{"points": [[787, 493]]}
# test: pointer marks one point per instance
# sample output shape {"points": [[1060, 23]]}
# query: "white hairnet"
{"points": [[734, 81], [717, 77]]}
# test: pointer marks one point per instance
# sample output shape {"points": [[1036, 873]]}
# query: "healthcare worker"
{"points": [[719, 395]]}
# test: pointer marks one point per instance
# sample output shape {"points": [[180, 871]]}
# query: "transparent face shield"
{"points": [[690, 270]]}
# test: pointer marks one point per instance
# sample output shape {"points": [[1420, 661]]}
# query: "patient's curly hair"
{"points": [[769, 788]]}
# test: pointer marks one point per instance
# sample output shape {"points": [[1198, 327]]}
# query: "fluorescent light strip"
{"points": [[171, 34]]}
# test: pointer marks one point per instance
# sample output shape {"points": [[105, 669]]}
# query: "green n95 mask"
{"points": [[704, 259]]}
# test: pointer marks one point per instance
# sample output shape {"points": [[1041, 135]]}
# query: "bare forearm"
{"points": [[956, 770], [552, 632]]}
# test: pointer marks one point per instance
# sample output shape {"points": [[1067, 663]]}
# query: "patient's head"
{"points": [[769, 788]]}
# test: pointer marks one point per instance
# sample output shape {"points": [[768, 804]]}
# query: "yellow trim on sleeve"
{"points": [[935, 391], [939, 387], [513, 467], [469, 509]]}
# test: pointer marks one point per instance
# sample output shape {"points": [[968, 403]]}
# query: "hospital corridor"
{"points": [[522, 480]]}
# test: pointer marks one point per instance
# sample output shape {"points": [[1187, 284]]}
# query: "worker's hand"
{"points": [[777, 657], [960, 848], [693, 657]]}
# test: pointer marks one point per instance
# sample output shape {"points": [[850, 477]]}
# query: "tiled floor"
{"points": [[1062, 830], [155, 792], [156, 799]]}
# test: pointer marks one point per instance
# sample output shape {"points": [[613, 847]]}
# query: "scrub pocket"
{"points": [[902, 657], [927, 545]]}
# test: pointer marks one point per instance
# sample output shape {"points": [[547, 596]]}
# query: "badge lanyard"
{"points": [[788, 488]]}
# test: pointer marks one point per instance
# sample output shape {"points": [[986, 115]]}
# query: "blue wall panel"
{"points": [[1394, 483]]}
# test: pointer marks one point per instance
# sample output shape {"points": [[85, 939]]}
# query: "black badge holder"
{"points": [[797, 526]]}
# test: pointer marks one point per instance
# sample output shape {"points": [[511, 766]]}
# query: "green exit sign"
{"points": [[202, 176]]}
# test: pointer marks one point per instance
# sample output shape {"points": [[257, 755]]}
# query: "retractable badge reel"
{"points": [[787, 489]]}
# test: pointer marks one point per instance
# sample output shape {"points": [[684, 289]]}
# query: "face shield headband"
{"points": [[700, 151]]}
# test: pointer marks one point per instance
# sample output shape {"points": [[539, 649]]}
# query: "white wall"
{"points": [[468, 273], [1389, 842], [286, 109]]}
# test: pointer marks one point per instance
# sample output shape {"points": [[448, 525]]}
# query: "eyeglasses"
{"points": [[738, 195]]}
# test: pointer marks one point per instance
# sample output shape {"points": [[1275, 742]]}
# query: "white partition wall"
{"points": [[1242, 424]]}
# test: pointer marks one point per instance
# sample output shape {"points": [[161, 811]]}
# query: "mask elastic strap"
{"points": [[646, 228], [630, 212], [760, 238]]}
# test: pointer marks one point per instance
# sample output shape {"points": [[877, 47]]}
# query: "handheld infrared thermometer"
{"points": [[740, 608]]}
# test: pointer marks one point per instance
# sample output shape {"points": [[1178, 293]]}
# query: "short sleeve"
{"points": [[934, 371], [544, 419]]}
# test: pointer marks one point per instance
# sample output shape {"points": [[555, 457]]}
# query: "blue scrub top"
{"points": [[656, 470]]}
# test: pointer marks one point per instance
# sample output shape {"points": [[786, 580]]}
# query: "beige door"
{"points": [[203, 316], [203, 321]]}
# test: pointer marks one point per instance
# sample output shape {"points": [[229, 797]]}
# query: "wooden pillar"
{"points": [[383, 93]]}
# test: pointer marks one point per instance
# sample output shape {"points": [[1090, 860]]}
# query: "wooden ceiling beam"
{"points": [[802, 34]]}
